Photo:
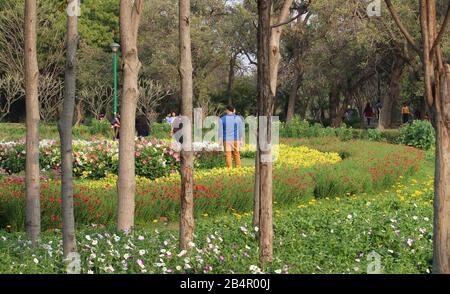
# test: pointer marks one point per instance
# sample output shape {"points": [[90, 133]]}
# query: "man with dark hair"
{"points": [[231, 133], [142, 127]]}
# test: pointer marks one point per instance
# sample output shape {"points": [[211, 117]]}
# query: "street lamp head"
{"points": [[114, 47]]}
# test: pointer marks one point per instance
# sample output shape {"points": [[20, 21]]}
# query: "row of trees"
{"points": [[316, 81], [274, 18]]}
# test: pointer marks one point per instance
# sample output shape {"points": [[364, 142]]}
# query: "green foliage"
{"points": [[374, 135], [419, 134], [298, 128], [344, 133], [100, 127]]}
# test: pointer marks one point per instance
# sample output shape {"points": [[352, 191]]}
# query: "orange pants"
{"points": [[232, 147]]}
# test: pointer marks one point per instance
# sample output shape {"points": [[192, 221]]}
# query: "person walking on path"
{"points": [[368, 113], [405, 113], [115, 125], [231, 132]]}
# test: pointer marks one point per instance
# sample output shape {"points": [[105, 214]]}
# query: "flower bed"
{"points": [[303, 173], [98, 159]]}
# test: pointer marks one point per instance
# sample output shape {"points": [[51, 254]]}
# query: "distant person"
{"points": [[378, 107], [231, 133], [142, 127], [115, 125], [405, 113], [101, 117], [417, 115], [368, 113], [177, 124], [170, 117]]}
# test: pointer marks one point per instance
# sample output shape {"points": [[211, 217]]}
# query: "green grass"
{"points": [[92, 131]]}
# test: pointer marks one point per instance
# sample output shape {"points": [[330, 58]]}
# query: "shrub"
{"points": [[160, 130], [298, 128], [419, 134], [344, 133], [100, 127], [374, 135]]}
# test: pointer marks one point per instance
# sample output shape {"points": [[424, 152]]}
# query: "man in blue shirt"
{"points": [[232, 133]]}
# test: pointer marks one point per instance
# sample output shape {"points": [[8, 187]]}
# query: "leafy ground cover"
{"points": [[326, 235]]}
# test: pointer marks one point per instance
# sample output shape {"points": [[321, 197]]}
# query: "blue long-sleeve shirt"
{"points": [[231, 128]]}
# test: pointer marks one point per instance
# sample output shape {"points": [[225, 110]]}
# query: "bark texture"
{"points": [[65, 133], [187, 156], [130, 14], [32, 210]]}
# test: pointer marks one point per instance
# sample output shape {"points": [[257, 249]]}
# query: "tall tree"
{"points": [[437, 93], [187, 156], [265, 108], [130, 14], [32, 177], [65, 130], [274, 36]]}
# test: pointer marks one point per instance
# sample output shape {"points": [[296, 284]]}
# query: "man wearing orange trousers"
{"points": [[232, 131]]}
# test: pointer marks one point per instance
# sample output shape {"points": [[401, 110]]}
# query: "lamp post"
{"points": [[115, 48]]}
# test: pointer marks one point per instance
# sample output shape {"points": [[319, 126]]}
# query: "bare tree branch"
{"points": [[402, 27], [442, 31]]}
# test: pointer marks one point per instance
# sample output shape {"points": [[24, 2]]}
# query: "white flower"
{"points": [[415, 217], [278, 271], [140, 262], [126, 256], [256, 229], [187, 266], [116, 238], [141, 252], [191, 244], [88, 237], [94, 243], [36, 261], [410, 242], [178, 268], [90, 272], [140, 238], [182, 253], [349, 216]]}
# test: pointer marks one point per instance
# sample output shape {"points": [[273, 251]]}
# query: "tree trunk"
{"points": [[393, 94], [231, 79], [79, 109], [33, 210], [130, 13], [275, 56], [187, 157], [441, 234], [265, 109], [293, 96], [333, 106], [274, 37], [65, 133]]}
